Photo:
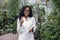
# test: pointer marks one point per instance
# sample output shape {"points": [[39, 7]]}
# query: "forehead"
{"points": [[27, 8]]}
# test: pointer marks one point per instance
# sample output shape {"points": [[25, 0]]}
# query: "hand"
{"points": [[31, 30], [21, 21]]}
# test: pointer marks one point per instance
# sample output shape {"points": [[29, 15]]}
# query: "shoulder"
{"points": [[17, 19], [33, 18]]}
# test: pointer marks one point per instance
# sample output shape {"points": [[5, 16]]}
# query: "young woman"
{"points": [[26, 24]]}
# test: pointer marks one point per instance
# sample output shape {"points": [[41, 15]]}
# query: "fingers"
{"points": [[31, 30]]}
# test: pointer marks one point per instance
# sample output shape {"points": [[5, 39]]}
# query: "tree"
{"points": [[51, 29], [8, 19]]}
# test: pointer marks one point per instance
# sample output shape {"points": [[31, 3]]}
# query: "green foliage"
{"points": [[8, 18], [48, 31], [51, 29]]}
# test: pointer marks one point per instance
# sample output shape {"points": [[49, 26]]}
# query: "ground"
{"points": [[9, 36]]}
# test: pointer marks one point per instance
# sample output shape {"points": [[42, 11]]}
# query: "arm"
{"points": [[34, 25], [18, 25]]}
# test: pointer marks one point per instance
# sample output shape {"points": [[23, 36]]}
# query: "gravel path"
{"points": [[9, 36]]}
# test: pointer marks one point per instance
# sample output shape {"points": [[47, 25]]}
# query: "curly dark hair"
{"points": [[21, 14]]}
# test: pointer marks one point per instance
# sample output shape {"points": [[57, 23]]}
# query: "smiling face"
{"points": [[26, 12]]}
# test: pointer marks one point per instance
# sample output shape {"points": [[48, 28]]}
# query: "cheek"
{"points": [[26, 13]]}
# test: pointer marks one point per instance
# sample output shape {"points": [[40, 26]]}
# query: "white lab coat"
{"points": [[27, 25]]}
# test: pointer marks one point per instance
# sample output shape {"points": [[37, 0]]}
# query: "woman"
{"points": [[26, 24]]}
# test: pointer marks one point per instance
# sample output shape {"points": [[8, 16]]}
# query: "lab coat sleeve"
{"points": [[34, 25], [18, 25]]}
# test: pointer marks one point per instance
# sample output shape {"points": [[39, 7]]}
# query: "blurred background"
{"points": [[46, 13]]}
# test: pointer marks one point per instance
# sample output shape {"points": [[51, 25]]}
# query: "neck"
{"points": [[26, 17]]}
